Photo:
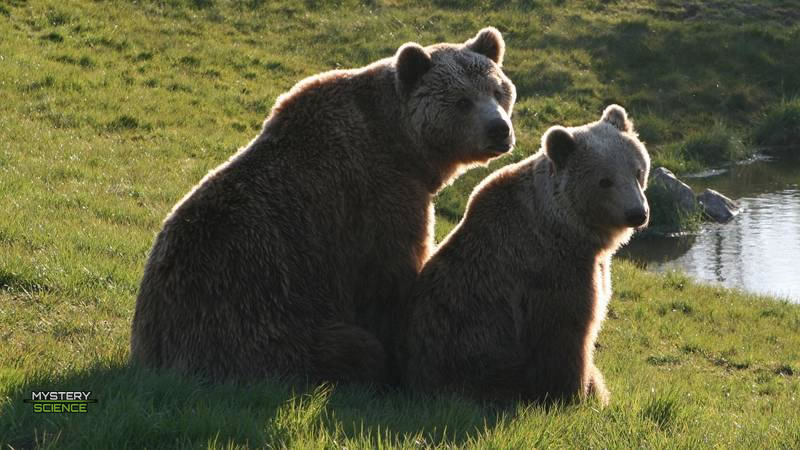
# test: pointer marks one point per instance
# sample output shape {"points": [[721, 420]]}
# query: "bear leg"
{"points": [[597, 386], [345, 352]]}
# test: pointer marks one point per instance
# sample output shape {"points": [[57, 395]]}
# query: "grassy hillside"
{"points": [[111, 111]]}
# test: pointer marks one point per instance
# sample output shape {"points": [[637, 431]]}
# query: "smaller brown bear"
{"points": [[510, 304]]}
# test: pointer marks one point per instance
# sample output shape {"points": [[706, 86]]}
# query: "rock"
{"points": [[717, 207], [680, 193]]}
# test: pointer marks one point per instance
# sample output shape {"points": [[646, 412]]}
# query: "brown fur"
{"points": [[289, 257], [510, 304]]}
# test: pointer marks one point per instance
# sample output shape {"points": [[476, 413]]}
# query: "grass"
{"points": [[716, 145], [779, 132], [112, 111], [688, 366]]}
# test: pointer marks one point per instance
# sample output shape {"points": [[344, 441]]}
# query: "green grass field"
{"points": [[111, 111]]}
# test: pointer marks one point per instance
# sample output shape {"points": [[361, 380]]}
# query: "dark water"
{"points": [[758, 251]]}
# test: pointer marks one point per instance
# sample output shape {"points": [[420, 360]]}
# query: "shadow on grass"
{"points": [[141, 408]]}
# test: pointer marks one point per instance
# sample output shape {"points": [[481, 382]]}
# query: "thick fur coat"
{"points": [[289, 257], [510, 305]]}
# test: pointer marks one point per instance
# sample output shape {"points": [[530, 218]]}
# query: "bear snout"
{"points": [[499, 133], [636, 217], [498, 129]]}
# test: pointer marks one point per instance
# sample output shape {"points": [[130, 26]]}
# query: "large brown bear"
{"points": [[510, 304], [290, 257]]}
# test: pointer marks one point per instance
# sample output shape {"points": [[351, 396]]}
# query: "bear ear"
{"points": [[558, 144], [488, 42], [616, 115], [412, 62]]}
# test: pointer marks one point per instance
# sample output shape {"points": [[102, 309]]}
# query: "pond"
{"points": [[758, 251]]}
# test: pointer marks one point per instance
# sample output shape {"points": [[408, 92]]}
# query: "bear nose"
{"points": [[498, 129], [636, 217]]}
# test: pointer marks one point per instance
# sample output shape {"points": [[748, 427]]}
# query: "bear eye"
{"points": [[464, 103], [606, 183]]}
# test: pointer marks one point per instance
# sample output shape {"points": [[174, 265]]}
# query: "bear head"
{"points": [[457, 98], [600, 172]]}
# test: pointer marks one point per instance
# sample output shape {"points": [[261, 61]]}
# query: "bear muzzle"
{"points": [[636, 217], [501, 136]]}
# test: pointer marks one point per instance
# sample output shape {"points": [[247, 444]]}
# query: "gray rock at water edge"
{"points": [[717, 207], [679, 191]]}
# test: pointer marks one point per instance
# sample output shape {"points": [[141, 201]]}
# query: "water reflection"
{"points": [[758, 251]]}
